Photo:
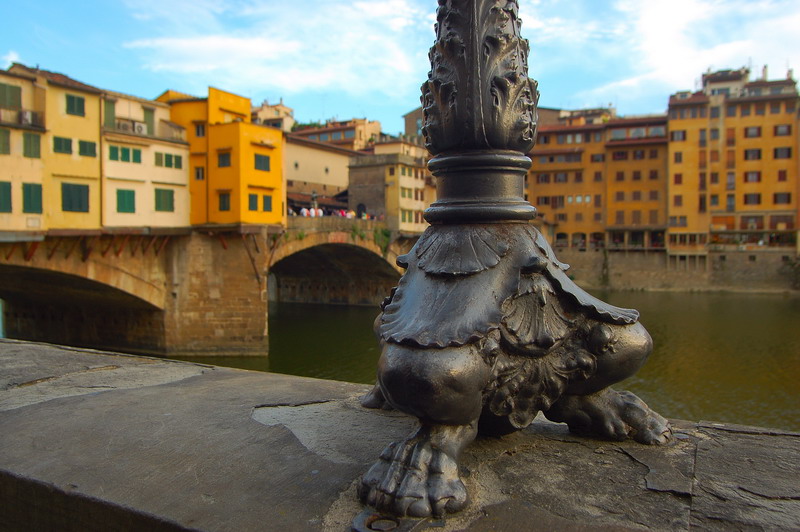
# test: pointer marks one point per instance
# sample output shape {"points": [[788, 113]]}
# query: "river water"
{"points": [[718, 356]]}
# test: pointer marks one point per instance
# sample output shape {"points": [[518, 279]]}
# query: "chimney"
{"points": [[764, 73], [790, 74]]}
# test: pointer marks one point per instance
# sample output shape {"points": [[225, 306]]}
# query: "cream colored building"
{"points": [[21, 166], [275, 115], [316, 167], [145, 164]]}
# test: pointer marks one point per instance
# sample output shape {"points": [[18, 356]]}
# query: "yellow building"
{"points": [[69, 149], [21, 132], [734, 163], [145, 164], [235, 166], [393, 184], [355, 134]]}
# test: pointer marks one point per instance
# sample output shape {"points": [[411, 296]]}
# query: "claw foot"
{"points": [[415, 478], [611, 414]]}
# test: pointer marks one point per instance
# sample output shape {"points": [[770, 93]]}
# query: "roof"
{"points": [[725, 75], [693, 99], [296, 139], [136, 98], [58, 79], [552, 128], [659, 119]]}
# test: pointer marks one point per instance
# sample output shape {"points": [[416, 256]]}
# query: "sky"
{"points": [[341, 59]]}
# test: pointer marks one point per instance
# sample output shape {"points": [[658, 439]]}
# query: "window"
{"points": [[619, 196], [149, 119], [637, 175], [224, 201], [168, 160], [62, 145], [10, 96], [620, 176], [752, 154], [677, 200], [266, 203], [619, 218], [783, 130], [579, 177], [125, 155], [262, 162], [252, 202], [32, 198], [323, 136], [637, 195], [653, 196], [653, 175], [113, 153], [74, 198], [349, 134], [782, 198], [760, 109], [678, 157], [224, 161], [598, 176], [677, 179], [620, 155], [714, 112], [598, 157], [136, 155], [165, 200], [87, 149], [336, 135], [31, 145], [199, 173], [752, 132], [598, 200], [598, 217], [744, 109], [126, 200], [781, 175], [543, 178], [783, 153], [5, 142], [752, 177], [75, 105], [199, 130], [677, 135], [774, 108], [752, 199], [638, 154], [653, 153], [561, 177], [714, 133], [5, 196], [714, 200]]}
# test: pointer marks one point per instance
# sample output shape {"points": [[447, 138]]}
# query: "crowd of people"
{"points": [[317, 212]]}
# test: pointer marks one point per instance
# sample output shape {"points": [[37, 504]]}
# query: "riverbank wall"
{"points": [[92, 440], [735, 270]]}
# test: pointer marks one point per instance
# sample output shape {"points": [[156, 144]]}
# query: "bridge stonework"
{"points": [[202, 291]]}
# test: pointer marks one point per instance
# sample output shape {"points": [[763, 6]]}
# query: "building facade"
{"points": [[356, 134], [235, 166]]}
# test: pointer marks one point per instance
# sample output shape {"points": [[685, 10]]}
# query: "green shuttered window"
{"points": [[32, 198], [10, 97], [5, 142], [5, 196], [126, 200], [267, 203], [86, 148], [262, 162], [224, 159], [31, 145], [62, 145], [224, 201], [252, 202], [76, 105], [74, 198], [165, 200]]}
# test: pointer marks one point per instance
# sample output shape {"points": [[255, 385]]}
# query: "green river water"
{"points": [[718, 356]]}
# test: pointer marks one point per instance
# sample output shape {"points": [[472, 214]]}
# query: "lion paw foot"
{"points": [[415, 479], [612, 414]]}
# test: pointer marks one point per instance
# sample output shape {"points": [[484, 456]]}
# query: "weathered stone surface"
{"points": [[99, 441]]}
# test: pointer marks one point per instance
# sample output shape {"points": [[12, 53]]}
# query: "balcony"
{"points": [[22, 117], [166, 130]]}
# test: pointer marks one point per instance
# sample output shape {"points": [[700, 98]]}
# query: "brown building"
{"points": [[356, 134]]}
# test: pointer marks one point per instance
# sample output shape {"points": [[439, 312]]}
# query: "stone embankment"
{"points": [[102, 441]]}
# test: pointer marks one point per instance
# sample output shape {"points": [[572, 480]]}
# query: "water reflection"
{"points": [[719, 357]]}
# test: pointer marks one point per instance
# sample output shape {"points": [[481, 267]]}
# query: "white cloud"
{"points": [[360, 48], [10, 57]]}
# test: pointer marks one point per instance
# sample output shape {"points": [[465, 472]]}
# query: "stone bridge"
{"points": [[200, 290]]}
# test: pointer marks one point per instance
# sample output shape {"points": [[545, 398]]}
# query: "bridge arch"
{"points": [[332, 273]]}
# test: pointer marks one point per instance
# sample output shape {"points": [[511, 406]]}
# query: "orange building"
{"points": [[598, 180], [734, 163]]}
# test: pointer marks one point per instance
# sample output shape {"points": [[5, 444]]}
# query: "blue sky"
{"points": [[367, 58]]}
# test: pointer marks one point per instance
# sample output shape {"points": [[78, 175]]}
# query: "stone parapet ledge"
{"points": [[102, 441]]}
